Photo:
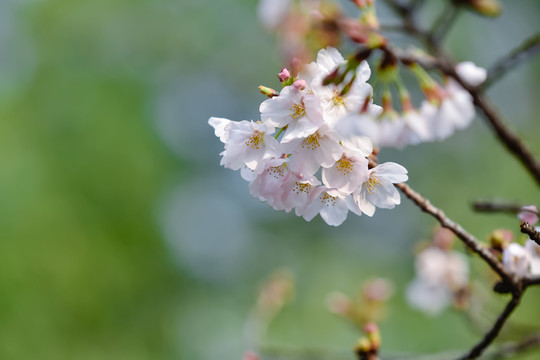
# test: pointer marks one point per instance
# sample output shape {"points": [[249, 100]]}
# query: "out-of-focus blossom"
{"points": [[470, 73], [440, 275], [534, 250], [517, 259], [529, 214]]}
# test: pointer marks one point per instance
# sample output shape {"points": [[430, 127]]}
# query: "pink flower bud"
{"points": [[284, 75], [299, 84]]}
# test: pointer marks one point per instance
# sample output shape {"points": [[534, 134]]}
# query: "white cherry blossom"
{"points": [[333, 209], [351, 169], [439, 275], [322, 148], [246, 143], [516, 259], [299, 110], [378, 190]]}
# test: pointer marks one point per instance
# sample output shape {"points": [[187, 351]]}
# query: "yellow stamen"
{"points": [[302, 188], [372, 184], [255, 140], [297, 110], [311, 142], [344, 166], [338, 99], [328, 200]]}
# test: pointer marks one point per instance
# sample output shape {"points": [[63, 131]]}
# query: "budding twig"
{"points": [[479, 348], [531, 231], [524, 51], [469, 240]]}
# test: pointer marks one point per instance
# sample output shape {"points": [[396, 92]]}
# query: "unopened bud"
{"points": [[372, 332], [284, 75], [500, 238], [486, 7], [299, 84], [268, 91]]}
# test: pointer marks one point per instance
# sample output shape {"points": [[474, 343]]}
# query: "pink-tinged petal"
{"points": [[219, 125], [346, 175], [334, 211], [360, 198], [391, 172], [358, 147]]}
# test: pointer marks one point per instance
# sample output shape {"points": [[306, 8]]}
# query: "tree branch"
{"points": [[531, 231], [485, 206], [469, 240], [524, 51], [479, 348]]}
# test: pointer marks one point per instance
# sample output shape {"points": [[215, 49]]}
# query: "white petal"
{"points": [[470, 73]]}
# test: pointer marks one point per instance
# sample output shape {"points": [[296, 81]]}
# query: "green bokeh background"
{"points": [[122, 238]]}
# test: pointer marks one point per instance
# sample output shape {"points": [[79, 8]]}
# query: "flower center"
{"points": [[297, 110], [372, 184], [255, 140], [311, 142], [344, 166], [328, 200], [337, 99], [277, 171], [302, 188]]}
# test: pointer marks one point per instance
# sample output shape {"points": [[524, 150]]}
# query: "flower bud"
{"points": [[268, 91], [299, 84], [486, 7], [500, 239], [284, 75]]}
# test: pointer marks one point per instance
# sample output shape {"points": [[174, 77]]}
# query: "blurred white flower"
{"points": [[470, 73], [440, 275], [516, 259]]}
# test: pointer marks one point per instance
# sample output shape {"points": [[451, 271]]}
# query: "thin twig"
{"points": [[524, 51], [485, 206], [513, 348], [470, 241], [531, 231], [479, 348]]}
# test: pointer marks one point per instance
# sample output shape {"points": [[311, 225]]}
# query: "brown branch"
{"points": [[531, 231], [485, 206], [524, 51], [479, 348], [469, 240]]}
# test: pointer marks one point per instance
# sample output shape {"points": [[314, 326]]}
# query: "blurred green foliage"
{"points": [[88, 267]]}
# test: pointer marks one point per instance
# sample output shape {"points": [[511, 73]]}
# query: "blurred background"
{"points": [[121, 237]]}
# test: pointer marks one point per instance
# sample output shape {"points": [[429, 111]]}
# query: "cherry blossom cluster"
{"points": [[302, 156], [444, 110]]}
